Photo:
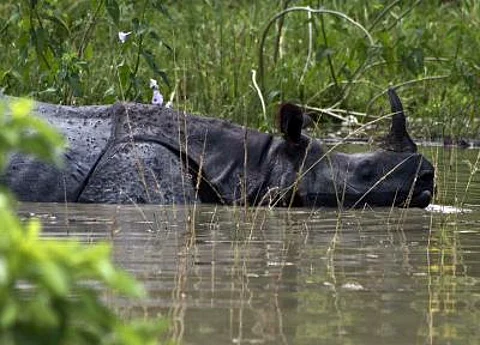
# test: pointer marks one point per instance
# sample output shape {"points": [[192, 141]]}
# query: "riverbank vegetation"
{"points": [[240, 59]]}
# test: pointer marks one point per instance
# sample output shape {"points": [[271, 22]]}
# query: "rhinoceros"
{"points": [[137, 153]]}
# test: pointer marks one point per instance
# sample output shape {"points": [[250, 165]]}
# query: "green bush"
{"points": [[50, 290], [204, 52], [19, 131]]}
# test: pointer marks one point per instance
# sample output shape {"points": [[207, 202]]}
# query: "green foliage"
{"points": [[204, 52], [50, 290], [63, 47], [22, 132]]}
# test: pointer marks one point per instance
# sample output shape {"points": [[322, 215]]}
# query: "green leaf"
{"points": [[123, 74], [150, 59], [54, 278], [8, 314], [414, 60], [4, 276], [159, 6], [88, 52], [62, 30], [41, 314], [41, 40], [324, 52], [113, 10], [21, 108], [164, 77], [8, 139], [136, 25], [153, 35], [45, 291]]}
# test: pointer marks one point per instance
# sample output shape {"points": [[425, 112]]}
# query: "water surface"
{"points": [[229, 275]]}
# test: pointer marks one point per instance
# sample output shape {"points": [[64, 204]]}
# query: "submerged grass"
{"points": [[209, 55]]}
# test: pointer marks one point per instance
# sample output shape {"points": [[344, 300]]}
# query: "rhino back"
{"points": [[214, 146], [87, 130]]}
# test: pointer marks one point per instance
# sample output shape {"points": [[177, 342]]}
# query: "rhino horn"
{"points": [[398, 139]]}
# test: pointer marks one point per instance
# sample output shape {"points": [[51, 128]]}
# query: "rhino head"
{"points": [[394, 175]]}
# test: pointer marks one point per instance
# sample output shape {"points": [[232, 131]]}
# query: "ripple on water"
{"points": [[391, 276], [295, 277]]}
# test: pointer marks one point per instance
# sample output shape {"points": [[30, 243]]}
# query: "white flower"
{"points": [[157, 98], [168, 105], [153, 84], [122, 36]]}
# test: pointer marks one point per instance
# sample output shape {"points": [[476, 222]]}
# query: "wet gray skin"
{"points": [[135, 153]]}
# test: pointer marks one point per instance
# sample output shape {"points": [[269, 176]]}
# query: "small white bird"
{"points": [[122, 36], [157, 96], [153, 84]]}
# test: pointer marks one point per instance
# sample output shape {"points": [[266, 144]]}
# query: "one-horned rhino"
{"points": [[148, 154]]}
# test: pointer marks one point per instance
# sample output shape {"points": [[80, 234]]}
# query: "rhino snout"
{"points": [[424, 188]]}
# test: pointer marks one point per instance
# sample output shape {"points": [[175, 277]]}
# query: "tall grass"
{"points": [[204, 52]]}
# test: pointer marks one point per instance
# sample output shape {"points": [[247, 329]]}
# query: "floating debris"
{"points": [[446, 209], [353, 286]]}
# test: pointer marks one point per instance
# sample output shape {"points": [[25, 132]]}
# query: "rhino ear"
{"points": [[291, 122], [398, 139]]}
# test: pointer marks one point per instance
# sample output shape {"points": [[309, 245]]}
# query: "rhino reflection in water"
{"points": [[145, 154]]}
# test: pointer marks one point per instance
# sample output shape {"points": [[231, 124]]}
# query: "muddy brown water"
{"points": [[226, 275]]}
